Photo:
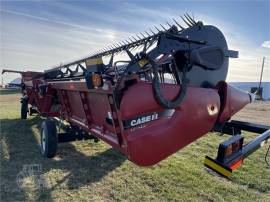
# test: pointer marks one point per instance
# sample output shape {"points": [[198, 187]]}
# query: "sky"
{"points": [[37, 35]]}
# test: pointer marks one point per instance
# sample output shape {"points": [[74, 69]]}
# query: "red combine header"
{"points": [[170, 92]]}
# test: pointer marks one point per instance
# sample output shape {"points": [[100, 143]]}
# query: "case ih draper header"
{"points": [[170, 92]]}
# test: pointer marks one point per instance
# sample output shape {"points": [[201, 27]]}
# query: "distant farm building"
{"points": [[252, 87], [16, 83]]}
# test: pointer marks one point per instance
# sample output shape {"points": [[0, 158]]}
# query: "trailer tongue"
{"points": [[165, 96]]}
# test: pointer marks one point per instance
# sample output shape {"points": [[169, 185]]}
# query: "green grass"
{"points": [[4, 91], [88, 171]]}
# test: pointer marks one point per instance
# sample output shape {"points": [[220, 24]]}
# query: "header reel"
{"points": [[196, 55]]}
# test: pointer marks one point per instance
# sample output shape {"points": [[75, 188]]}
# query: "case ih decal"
{"points": [[147, 118]]}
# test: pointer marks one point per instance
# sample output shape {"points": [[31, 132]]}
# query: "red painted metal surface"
{"points": [[148, 143], [32, 81], [158, 139], [232, 100], [88, 110]]}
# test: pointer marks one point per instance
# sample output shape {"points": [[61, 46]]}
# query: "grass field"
{"points": [[88, 171]]}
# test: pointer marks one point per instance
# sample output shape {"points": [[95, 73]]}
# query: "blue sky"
{"points": [[36, 35]]}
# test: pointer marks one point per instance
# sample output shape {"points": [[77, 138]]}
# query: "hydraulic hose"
{"points": [[156, 84]]}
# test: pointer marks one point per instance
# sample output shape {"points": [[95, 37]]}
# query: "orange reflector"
{"points": [[96, 79], [236, 165]]}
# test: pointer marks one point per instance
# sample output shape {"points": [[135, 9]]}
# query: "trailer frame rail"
{"points": [[232, 152]]}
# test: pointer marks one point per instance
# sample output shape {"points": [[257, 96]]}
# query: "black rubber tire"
{"points": [[24, 109], [48, 138], [32, 111]]}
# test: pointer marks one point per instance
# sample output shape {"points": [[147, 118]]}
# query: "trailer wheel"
{"points": [[48, 138], [24, 109]]}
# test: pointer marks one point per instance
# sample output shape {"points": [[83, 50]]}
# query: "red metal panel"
{"points": [[42, 103], [100, 107], [76, 106], [77, 86], [88, 109], [156, 140]]}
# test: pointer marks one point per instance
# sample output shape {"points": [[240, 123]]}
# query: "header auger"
{"points": [[169, 92]]}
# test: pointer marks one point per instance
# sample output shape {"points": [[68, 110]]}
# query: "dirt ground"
{"points": [[256, 112]]}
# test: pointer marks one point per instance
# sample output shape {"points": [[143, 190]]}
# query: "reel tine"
{"points": [[169, 24], [101, 51], [186, 21], [157, 29], [115, 45], [182, 28], [163, 27], [128, 43], [134, 38], [152, 31], [142, 35], [130, 40], [107, 49], [192, 19], [189, 20], [119, 44], [111, 47], [138, 37], [147, 33]]}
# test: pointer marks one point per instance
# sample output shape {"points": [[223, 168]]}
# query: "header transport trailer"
{"points": [[169, 92]]}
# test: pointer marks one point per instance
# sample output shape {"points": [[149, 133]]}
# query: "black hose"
{"points": [[156, 85]]}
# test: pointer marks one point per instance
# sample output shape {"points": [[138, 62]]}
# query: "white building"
{"points": [[15, 83], [246, 86]]}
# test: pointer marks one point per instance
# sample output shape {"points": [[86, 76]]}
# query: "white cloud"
{"points": [[37, 42], [266, 44]]}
